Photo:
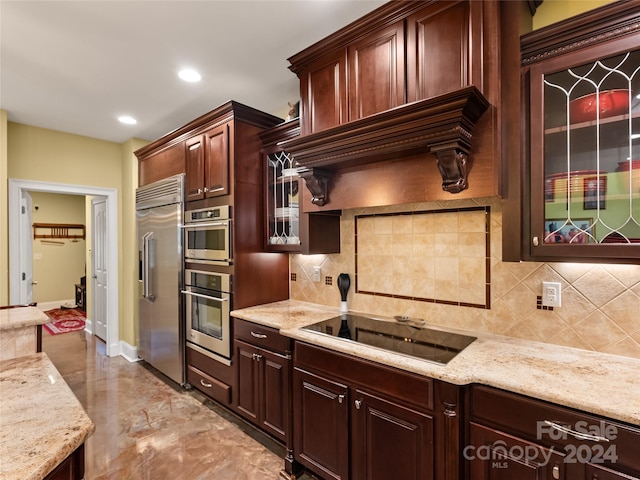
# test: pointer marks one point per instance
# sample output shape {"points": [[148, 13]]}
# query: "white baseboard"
{"points": [[88, 325], [43, 306], [129, 351]]}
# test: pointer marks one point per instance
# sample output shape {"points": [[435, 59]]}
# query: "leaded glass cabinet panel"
{"points": [[584, 152]]}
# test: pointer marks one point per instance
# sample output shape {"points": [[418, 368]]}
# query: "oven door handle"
{"points": [[205, 225], [205, 296]]}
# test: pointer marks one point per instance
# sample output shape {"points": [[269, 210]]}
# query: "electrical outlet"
{"points": [[551, 294], [317, 274]]}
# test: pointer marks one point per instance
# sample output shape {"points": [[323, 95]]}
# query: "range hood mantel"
{"points": [[440, 125]]}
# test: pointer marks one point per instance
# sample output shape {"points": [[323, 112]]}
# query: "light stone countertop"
{"points": [[20, 317], [41, 420], [593, 382]]}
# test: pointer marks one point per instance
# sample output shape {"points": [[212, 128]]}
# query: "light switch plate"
{"points": [[317, 274], [551, 294]]}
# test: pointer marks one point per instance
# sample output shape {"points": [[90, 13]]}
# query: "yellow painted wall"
{"points": [[552, 11], [129, 255], [57, 264], [4, 214], [50, 156]]}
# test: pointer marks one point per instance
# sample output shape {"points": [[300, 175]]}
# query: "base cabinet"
{"points": [[263, 380], [263, 371], [496, 455], [321, 419], [359, 420], [516, 437], [390, 440], [71, 468]]}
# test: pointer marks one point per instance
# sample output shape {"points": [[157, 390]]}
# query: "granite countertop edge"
{"points": [[596, 383], [20, 317], [41, 421]]}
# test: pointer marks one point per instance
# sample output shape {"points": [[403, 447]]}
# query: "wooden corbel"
{"points": [[452, 164], [317, 182]]}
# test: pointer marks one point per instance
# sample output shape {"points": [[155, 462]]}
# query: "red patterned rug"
{"points": [[64, 320]]}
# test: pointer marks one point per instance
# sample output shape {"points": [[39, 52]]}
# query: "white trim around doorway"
{"points": [[16, 187]]}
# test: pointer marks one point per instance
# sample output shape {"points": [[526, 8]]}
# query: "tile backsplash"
{"points": [[600, 302]]}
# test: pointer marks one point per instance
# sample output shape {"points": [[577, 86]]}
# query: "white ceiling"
{"points": [[75, 66]]}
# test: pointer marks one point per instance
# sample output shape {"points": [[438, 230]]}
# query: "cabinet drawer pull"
{"points": [[358, 404], [199, 191], [258, 335], [577, 435], [256, 356], [205, 384], [340, 398], [555, 472], [206, 189]]}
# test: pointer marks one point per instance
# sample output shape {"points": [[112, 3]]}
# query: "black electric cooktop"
{"points": [[404, 336]]}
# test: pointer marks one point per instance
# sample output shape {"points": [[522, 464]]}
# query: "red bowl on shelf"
{"points": [[626, 165], [610, 103]]}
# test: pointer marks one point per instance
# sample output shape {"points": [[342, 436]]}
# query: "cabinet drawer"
{"points": [[404, 386], [213, 368], [209, 385], [261, 336], [525, 417]]}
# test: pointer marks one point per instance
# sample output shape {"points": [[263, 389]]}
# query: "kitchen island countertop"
{"points": [[593, 382], [20, 317], [41, 420]]}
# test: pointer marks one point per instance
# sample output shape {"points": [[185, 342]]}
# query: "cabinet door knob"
{"points": [[556, 472], [206, 189], [358, 404], [340, 398], [535, 241], [199, 191]]}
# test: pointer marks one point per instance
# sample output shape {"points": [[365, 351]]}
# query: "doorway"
{"points": [[20, 270]]}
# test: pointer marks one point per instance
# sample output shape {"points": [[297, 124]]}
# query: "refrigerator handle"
{"points": [[148, 261]]}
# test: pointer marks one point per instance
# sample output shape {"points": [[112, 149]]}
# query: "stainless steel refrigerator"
{"points": [[159, 216]]}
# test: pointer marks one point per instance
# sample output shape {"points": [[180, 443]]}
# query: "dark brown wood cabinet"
{"points": [[263, 370], [207, 163], [581, 187], [390, 440], [288, 228], [321, 424], [162, 163], [71, 468], [512, 436], [376, 66], [405, 101], [360, 420]]}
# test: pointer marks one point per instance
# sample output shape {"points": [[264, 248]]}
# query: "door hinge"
{"points": [[24, 276], [24, 209]]}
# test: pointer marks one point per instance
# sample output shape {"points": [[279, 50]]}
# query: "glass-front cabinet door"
{"points": [[585, 153], [283, 205]]}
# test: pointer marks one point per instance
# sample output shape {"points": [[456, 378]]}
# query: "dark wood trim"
{"points": [[229, 111], [609, 22], [441, 125], [38, 338]]}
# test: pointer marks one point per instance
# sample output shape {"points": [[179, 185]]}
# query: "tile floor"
{"points": [[147, 429]]}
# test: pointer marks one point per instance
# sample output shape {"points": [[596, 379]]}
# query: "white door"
{"points": [[26, 250], [99, 310]]}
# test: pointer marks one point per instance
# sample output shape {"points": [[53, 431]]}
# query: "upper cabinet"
{"points": [[409, 79], [582, 93], [207, 163], [160, 164], [288, 228]]}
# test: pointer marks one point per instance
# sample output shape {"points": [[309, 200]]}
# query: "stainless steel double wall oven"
{"points": [[207, 289]]}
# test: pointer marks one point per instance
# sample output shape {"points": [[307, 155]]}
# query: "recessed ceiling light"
{"points": [[189, 75], [127, 119]]}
